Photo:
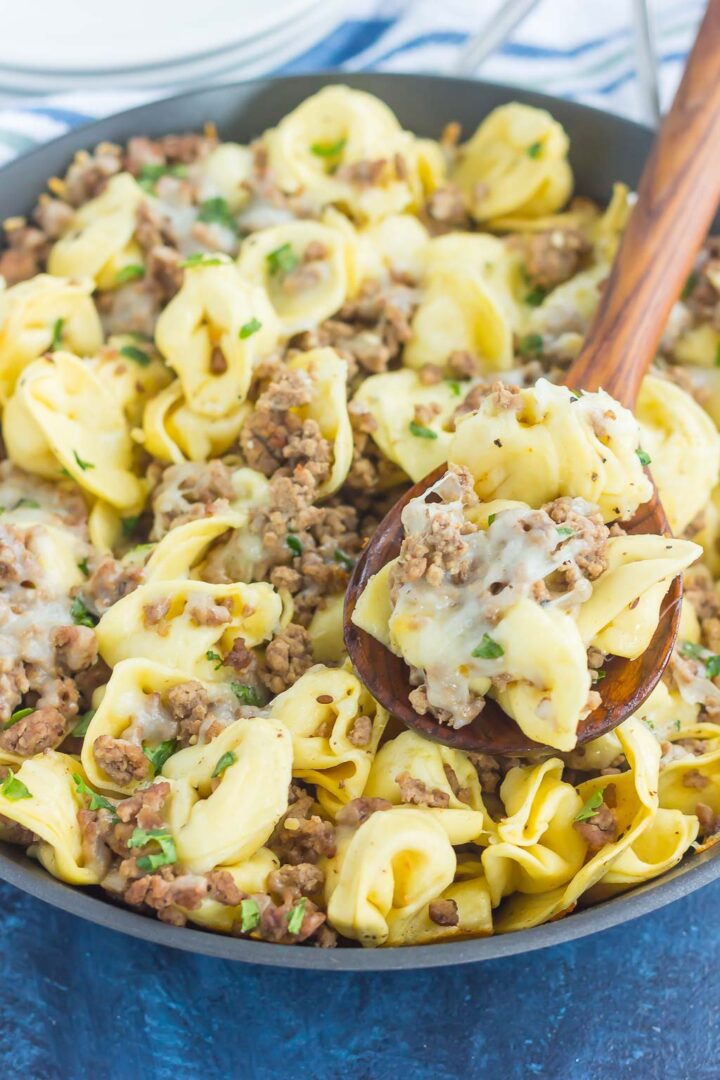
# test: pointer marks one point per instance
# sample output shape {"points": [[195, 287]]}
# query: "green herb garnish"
{"points": [[534, 149], [340, 557], [166, 855], [491, 518], [158, 755], [81, 615], [689, 648], [14, 789], [536, 296], [249, 329], [138, 356], [56, 339], [131, 272], [129, 525], [591, 807], [455, 387], [488, 649], [214, 658], [249, 914], [294, 544], [80, 729], [83, 567], [248, 695], [712, 666], [224, 761], [689, 286], [97, 802], [296, 916], [600, 673], [282, 260], [150, 174], [329, 150], [200, 258], [19, 714], [643, 457], [565, 530], [530, 345], [26, 504], [217, 212], [84, 465], [421, 431]]}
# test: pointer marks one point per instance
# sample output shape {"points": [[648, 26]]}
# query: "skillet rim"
{"points": [[19, 870]]}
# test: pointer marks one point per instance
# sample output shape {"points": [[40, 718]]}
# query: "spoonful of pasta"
{"points": [[527, 594]]}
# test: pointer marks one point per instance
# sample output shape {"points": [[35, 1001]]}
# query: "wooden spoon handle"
{"points": [[677, 198]]}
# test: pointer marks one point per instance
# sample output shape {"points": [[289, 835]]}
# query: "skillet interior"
{"points": [[603, 149]]}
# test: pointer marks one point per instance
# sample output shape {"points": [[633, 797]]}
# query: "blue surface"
{"points": [[639, 1001]]}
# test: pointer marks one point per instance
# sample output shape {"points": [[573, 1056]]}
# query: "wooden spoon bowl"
{"points": [[677, 198]]}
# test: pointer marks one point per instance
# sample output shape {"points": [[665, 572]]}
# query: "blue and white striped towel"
{"points": [[572, 48]]}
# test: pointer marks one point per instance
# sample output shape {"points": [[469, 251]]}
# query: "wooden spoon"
{"points": [[677, 198]]}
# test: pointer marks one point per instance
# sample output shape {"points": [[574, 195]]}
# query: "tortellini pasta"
{"points": [[303, 267], [553, 443], [327, 373], [335, 727], [188, 621], [43, 313], [395, 864], [211, 334], [172, 431], [515, 163], [229, 822], [99, 242], [63, 420]]}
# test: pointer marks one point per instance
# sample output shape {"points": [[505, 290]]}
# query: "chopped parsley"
{"points": [[345, 560], [138, 356], [97, 802], [282, 260], [689, 286], [214, 658], [491, 518], [530, 345], [296, 916], [80, 729], [534, 149], [643, 457], [600, 673], [536, 296], [129, 525], [712, 666], [56, 339], [249, 914], [488, 649], [14, 789], [19, 714], [591, 807], [131, 272], [150, 174], [248, 695], [158, 755], [689, 648], [565, 530], [223, 762], [249, 329], [294, 544], [166, 855], [83, 567], [455, 387], [329, 150], [697, 652], [200, 258], [420, 431], [84, 465], [81, 615], [717, 355], [217, 212]]}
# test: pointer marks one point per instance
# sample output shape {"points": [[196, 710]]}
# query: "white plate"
{"points": [[263, 54], [82, 36]]}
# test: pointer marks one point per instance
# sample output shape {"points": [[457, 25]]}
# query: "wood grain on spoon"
{"points": [[677, 198]]}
